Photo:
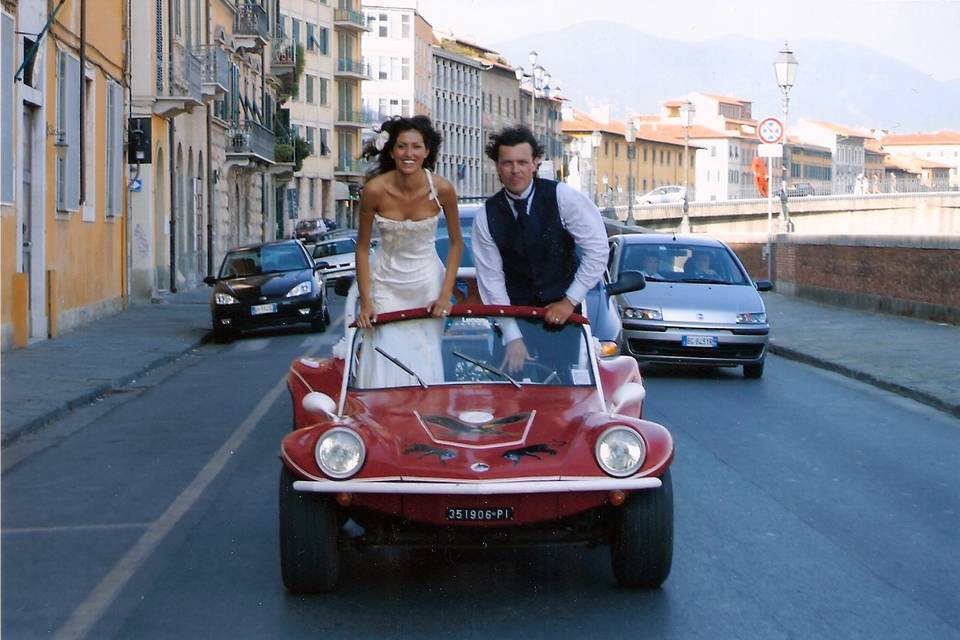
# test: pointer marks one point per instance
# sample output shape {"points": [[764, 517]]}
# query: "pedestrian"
{"points": [[526, 241]]}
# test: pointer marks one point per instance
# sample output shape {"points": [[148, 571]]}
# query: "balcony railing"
{"points": [[353, 67], [250, 24], [182, 90], [284, 58], [349, 18], [349, 116], [348, 165], [252, 140], [215, 69]]}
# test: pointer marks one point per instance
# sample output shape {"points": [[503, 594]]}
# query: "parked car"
{"points": [[558, 454], [699, 307], [339, 254], [468, 212], [662, 195], [798, 189], [309, 230], [263, 285]]}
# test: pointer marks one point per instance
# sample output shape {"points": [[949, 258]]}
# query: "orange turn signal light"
{"points": [[344, 499], [617, 497], [608, 348]]}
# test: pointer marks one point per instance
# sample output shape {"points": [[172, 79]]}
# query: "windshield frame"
{"points": [[673, 250]]}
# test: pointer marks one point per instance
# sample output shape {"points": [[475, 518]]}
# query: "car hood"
{"points": [[265, 285], [688, 302]]}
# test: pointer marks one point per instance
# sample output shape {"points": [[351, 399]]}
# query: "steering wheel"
{"points": [[545, 372]]}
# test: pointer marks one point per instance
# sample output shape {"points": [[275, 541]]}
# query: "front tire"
{"points": [[309, 539], [753, 371], [641, 547]]}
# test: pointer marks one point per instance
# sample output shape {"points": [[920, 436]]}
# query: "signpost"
{"points": [[770, 133]]}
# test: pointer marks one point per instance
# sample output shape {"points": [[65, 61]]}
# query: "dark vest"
{"points": [[540, 261]]}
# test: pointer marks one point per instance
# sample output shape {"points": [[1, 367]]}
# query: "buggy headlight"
{"points": [[620, 451], [301, 289], [340, 453]]}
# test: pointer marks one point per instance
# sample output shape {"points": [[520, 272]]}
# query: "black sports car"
{"points": [[264, 285]]}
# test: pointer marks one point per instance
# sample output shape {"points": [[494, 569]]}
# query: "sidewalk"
{"points": [[44, 381]]}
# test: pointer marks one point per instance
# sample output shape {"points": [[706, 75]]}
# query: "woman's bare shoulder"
{"points": [[444, 187]]}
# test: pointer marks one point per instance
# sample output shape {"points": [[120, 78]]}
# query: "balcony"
{"points": [[251, 29], [250, 142], [215, 70], [349, 20], [347, 166], [350, 118], [180, 79], [283, 60], [350, 68]]}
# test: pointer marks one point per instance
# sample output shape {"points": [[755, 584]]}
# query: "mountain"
{"points": [[604, 63]]}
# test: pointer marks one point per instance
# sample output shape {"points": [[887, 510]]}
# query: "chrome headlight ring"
{"points": [[620, 451], [340, 453]]}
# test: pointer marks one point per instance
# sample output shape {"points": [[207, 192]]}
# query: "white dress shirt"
{"points": [[581, 219]]}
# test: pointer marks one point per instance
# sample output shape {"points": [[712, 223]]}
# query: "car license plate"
{"points": [[491, 514], [259, 309], [699, 341]]}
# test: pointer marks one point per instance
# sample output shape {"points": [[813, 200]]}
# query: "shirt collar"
{"points": [[526, 192]]}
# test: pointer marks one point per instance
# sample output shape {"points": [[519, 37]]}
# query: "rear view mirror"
{"points": [[763, 285], [342, 286], [627, 282]]}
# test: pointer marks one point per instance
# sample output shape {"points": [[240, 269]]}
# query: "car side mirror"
{"points": [[210, 280], [323, 264], [763, 285], [627, 282], [316, 402], [342, 286]]}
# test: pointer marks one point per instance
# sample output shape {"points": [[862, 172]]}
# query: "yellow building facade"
{"points": [[64, 238]]}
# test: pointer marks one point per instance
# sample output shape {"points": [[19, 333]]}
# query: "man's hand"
{"points": [[516, 357], [558, 312]]}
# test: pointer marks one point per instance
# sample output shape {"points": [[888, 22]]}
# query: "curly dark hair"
{"points": [[509, 137], [394, 126]]}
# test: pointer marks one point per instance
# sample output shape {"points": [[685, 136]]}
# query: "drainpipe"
{"points": [[173, 206], [210, 181], [83, 101]]}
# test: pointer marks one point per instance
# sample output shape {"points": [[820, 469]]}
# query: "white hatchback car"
{"points": [[339, 254], [662, 195]]}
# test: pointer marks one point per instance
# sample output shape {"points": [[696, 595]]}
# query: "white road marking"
{"points": [[78, 527], [89, 612]]}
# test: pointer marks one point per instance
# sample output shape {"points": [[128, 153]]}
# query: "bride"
{"points": [[404, 200]]}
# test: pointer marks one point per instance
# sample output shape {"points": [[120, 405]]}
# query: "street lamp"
{"points": [[631, 135], [687, 111], [538, 80], [786, 68]]}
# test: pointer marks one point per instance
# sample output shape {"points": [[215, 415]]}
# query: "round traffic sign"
{"points": [[770, 130]]}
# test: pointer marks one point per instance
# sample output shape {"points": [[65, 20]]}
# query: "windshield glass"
{"points": [[674, 262], [267, 259], [469, 350], [347, 245]]}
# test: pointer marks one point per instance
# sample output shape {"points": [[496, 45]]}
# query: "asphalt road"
{"points": [[807, 506]]}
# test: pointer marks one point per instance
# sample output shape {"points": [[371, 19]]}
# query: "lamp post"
{"points": [[785, 67], [538, 80], [631, 135], [595, 139], [687, 111]]}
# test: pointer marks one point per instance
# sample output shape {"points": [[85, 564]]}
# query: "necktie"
{"points": [[520, 204]]}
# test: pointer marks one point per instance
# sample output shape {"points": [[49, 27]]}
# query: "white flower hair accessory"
{"points": [[381, 140]]}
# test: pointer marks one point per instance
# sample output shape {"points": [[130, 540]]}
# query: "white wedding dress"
{"points": [[406, 273]]}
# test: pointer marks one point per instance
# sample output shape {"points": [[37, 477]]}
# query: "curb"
{"points": [[869, 378], [38, 423]]}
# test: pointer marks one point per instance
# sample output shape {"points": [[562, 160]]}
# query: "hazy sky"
{"points": [[924, 34]]}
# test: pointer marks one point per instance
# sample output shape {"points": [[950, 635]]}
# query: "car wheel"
{"points": [[753, 371], [641, 547], [224, 335], [326, 314], [319, 325], [309, 539]]}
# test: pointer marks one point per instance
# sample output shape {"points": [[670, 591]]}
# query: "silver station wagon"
{"points": [[699, 307]]}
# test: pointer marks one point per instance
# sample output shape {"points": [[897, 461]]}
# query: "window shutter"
{"points": [[114, 178], [6, 109], [73, 134]]}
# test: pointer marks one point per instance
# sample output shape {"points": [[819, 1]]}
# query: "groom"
{"points": [[525, 244]]}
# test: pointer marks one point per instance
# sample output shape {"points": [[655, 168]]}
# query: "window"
{"points": [[296, 31], [324, 142], [68, 127], [313, 194], [310, 82], [405, 108], [323, 44], [384, 26], [405, 25], [616, 149], [310, 135], [405, 69], [7, 41], [324, 91], [384, 71], [311, 41], [115, 161]]}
